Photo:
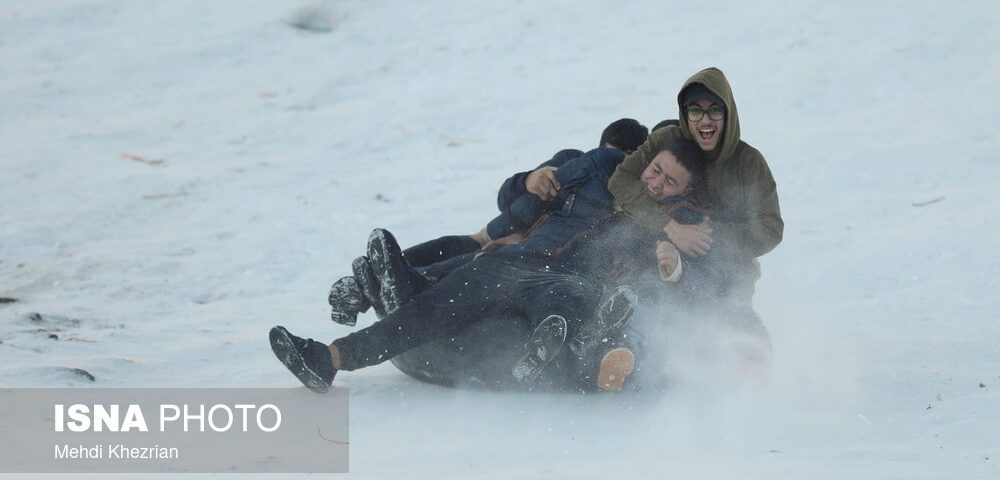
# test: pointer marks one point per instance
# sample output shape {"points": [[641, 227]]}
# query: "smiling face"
{"points": [[666, 177], [707, 132]]}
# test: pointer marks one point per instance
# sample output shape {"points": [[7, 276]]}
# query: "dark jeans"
{"points": [[488, 285], [437, 271], [439, 249]]}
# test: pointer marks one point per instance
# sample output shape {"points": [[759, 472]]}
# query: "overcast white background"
{"points": [[177, 177]]}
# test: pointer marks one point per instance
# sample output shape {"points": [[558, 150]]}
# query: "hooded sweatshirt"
{"points": [[740, 190]]}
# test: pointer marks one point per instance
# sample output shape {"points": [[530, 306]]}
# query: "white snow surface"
{"points": [[179, 176]]}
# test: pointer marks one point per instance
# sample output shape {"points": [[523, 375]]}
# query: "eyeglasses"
{"points": [[715, 112]]}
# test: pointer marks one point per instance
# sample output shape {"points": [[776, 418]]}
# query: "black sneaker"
{"points": [[611, 317], [347, 301], [307, 359], [544, 345], [395, 277], [368, 284]]}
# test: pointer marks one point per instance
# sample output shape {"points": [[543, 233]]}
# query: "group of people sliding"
{"points": [[675, 220]]}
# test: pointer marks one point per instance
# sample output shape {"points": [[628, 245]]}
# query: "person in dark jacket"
{"points": [[358, 292], [532, 282]]}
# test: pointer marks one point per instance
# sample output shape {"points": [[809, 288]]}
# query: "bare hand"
{"points": [[508, 240], [692, 240], [666, 257], [543, 183]]}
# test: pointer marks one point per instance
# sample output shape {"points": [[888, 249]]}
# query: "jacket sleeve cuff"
{"points": [[511, 190], [676, 275], [501, 226]]}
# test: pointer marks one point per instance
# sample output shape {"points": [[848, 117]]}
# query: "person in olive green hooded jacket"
{"points": [[743, 221]]}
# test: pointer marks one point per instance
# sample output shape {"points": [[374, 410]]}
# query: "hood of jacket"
{"points": [[715, 81]]}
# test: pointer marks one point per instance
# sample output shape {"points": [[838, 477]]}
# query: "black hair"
{"points": [[666, 123], [689, 155], [625, 134]]}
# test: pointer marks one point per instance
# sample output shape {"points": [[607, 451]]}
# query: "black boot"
{"points": [[545, 344], [611, 318], [368, 284], [306, 358], [347, 301], [398, 282]]}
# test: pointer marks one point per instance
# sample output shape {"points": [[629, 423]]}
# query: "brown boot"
{"points": [[615, 366]]}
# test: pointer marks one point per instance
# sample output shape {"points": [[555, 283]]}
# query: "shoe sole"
{"points": [[531, 365], [615, 367], [290, 357], [345, 319], [346, 300], [362, 269], [386, 274], [620, 307]]}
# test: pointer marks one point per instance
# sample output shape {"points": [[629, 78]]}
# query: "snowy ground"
{"points": [[179, 176]]}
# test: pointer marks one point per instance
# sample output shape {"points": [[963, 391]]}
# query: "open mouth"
{"points": [[707, 133], [652, 192]]}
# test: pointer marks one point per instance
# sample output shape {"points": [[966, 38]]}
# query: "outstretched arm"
{"points": [[526, 210]]}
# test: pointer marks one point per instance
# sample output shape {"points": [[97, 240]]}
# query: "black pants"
{"points": [[491, 284], [439, 249]]}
